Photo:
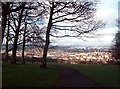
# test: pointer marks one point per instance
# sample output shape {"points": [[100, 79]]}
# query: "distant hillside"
{"points": [[28, 46], [71, 48]]}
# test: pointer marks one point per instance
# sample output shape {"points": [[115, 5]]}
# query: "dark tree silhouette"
{"points": [[17, 34], [75, 17], [78, 17], [116, 47], [0, 31], [7, 39], [18, 26], [6, 10]]}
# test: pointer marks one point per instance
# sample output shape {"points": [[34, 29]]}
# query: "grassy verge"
{"points": [[28, 75], [105, 75]]}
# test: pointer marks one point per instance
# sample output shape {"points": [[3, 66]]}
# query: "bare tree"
{"points": [[75, 17], [17, 20], [32, 32], [6, 10], [33, 35], [20, 17], [17, 33]]}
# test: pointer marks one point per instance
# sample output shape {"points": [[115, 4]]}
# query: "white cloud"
{"points": [[104, 12], [108, 31], [107, 11]]}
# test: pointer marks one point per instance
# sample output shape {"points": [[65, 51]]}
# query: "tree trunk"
{"points": [[14, 49], [6, 50], [16, 36], [23, 49], [0, 40], [7, 40], [5, 12], [44, 59], [4, 19]]}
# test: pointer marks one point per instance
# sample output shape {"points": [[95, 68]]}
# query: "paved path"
{"points": [[72, 78]]}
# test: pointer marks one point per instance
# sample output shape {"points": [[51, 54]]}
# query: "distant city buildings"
{"points": [[79, 57], [96, 55]]}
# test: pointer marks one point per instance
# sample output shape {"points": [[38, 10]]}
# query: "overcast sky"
{"points": [[108, 12]]}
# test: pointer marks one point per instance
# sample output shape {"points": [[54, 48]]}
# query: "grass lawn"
{"points": [[105, 75], [28, 75]]}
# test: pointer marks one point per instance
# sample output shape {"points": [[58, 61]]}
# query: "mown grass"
{"points": [[28, 75], [105, 75], [31, 75]]}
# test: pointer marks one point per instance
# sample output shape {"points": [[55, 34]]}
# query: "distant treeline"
{"points": [[27, 46]]}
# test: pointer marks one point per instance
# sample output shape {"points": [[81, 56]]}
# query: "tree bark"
{"points": [[44, 59]]}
